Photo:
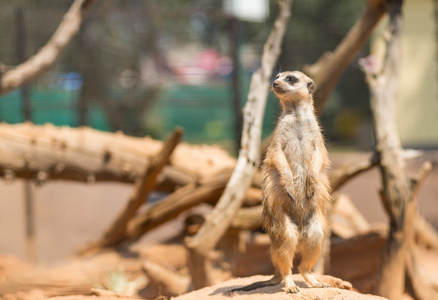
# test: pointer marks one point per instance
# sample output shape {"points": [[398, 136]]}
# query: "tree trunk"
{"points": [[397, 194]]}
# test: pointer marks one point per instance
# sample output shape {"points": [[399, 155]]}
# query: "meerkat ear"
{"points": [[311, 86]]}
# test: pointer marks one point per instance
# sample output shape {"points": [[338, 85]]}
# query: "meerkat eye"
{"points": [[292, 79]]}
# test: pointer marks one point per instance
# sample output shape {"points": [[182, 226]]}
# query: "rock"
{"points": [[339, 290]]}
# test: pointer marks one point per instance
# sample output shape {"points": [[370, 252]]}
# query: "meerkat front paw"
{"points": [[290, 191], [310, 187]]}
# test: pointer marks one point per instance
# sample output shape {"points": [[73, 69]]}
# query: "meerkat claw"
{"points": [[292, 290], [321, 285], [310, 193]]}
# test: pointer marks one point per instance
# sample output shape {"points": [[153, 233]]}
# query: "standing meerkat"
{"points": [[296, 193]]}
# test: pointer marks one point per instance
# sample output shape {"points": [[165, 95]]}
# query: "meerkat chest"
{"points": [[299, 136]]}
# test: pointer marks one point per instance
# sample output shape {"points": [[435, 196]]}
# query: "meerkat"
{"points": [[295, 188]]}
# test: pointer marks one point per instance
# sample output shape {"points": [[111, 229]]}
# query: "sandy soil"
{"points": [[339, 290]]}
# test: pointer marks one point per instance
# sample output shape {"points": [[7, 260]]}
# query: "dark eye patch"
{"points": [[276, 77], [291, 79]]}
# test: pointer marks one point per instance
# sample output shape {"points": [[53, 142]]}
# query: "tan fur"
{"points": [[295, 188]]}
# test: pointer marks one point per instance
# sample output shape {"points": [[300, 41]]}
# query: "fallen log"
{"points": [[79, 275], [170, 283], [88, 155]]}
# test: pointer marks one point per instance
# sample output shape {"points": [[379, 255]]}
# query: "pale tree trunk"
{"points": [[397, 194], [249, 157], [48, 54]]}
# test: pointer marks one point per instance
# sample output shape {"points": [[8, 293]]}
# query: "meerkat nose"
{"points": [[275, 84]]}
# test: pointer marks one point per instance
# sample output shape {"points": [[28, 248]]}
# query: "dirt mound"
{"points": [[339, 290]]}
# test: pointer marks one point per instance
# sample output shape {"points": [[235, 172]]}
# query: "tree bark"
{"points": [[397, 193], [88, 155], [48, 54], [249, 157]]}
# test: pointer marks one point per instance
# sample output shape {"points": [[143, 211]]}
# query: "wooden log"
{"points": [[74, 278], [249, 157], [170, 284], [358, 259], [79, 275], [88, 155], [347, 220], [47, 55]]}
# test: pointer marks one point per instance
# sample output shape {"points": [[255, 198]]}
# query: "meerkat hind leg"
{"points": [[283, 248], [283, 265], [310, 251]]}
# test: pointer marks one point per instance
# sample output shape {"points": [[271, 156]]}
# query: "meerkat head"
{"points": [[293, 86]]}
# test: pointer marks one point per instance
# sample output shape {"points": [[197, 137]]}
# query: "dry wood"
{"points": [[249, 157], [170, 284], [48, 54], [117, 231], [329, 68], [359, 258], [425, 234], [397, 194], [177, 202], [74, 278], [248, 218], [78, 276], [418, 285], [88, 155], [341, 175], [347, 220]]}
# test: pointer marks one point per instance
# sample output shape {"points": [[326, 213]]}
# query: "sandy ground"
{"points": [[339, 290], [68, 215]]}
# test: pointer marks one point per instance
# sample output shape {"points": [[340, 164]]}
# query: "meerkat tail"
{"points": [[276, 279]]}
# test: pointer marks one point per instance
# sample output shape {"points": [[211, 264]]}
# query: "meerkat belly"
{"points": [[299, 150]]}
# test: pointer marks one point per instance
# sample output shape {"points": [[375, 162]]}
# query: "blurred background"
{"points": [[144, 67]]}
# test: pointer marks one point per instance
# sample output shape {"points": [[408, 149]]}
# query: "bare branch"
{"points": [[343, 174], [329, 68], [48, 54]]}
